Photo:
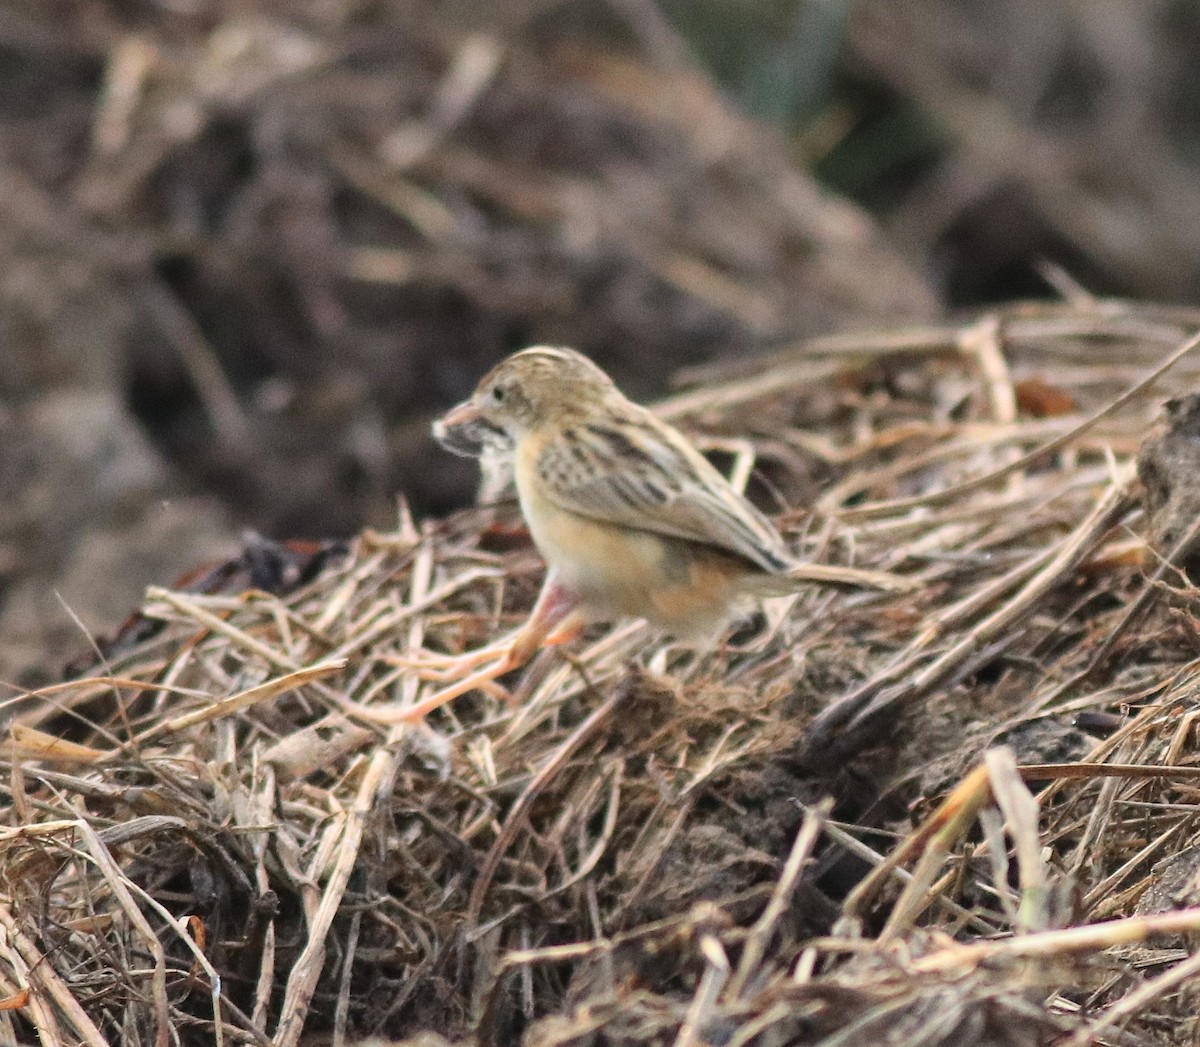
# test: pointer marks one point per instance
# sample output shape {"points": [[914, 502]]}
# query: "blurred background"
{"points": [[248, 249]]}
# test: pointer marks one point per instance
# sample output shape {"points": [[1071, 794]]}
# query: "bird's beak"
{"points": [[465, 413], [463, 430]]}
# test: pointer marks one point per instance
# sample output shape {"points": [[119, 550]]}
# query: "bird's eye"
{"points": [[498, 393]]}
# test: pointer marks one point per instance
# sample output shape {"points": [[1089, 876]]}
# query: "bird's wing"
{"points": [[637, 472]]}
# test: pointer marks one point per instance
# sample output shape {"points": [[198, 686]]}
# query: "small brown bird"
{"points": [[630, 518]]}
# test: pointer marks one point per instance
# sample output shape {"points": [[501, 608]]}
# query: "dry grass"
{"points": [[658, 844]]}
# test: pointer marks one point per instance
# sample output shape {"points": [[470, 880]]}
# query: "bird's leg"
{"points": [[446, 668], [554, 620], [541, 629]]}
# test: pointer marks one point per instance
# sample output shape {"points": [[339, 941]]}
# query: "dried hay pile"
{"points": [[659, 844]]}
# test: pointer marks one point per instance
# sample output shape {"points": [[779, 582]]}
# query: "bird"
{"points": [[630, 518]]}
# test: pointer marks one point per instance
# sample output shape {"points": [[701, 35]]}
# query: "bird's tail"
{"points": [[801, 575]]}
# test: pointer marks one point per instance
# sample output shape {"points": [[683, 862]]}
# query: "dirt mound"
{"points": [[820, 831], [267, 244]]}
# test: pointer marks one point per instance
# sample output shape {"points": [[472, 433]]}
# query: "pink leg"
{"points": [[553, 620], [552, 608], [445, 668]]}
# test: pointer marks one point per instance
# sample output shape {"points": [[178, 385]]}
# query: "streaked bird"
{"points": [[631, 519]]}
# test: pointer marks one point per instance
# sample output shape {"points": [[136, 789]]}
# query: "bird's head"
{"points": [[521, 393]]}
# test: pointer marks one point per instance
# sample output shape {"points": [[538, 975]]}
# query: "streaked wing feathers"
{"points": [[636, 472]]}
